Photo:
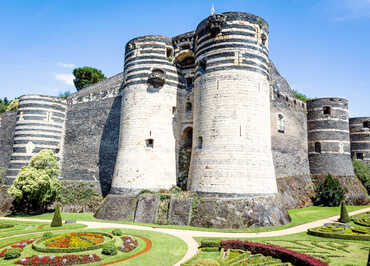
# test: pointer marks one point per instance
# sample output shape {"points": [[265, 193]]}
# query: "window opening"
{"points": [[318, 147], [149, 143], [200, 143], [327, 110], [281, 123], [188, 107]]}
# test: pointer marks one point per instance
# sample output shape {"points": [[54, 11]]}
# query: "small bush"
{"points": [[329, 192], [57, 218], [47, 235], [117, 232], [344, 217], [109, 249], [209, 243], [12, 253]]}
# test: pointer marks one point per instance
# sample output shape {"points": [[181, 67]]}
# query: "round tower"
{"points": [[146, 156], [328, 137], [359, 128], [232, 134], [40, 125]]}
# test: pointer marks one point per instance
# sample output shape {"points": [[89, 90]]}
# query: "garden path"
{"points": [[188, 235]]}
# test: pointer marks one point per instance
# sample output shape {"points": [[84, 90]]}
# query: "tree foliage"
{"points": [[13, 105], [65, 94], [4, 105], [86, 76], [329, 192], [57, 218], [362, 171], [36, 184], [300, 96]]}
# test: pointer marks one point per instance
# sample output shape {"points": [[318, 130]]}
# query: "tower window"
{"points": [[360, 156], [149, 143], [326, 110], [200, 143], [317, 147], [366, 124], [185, 46], [189, 82], [203, 65], [188, 107], [169, 52], [173, 110], [281, 123], [263, 39]]}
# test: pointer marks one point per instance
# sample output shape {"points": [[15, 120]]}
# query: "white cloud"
{"points": [[66, 78], [64, 65]]}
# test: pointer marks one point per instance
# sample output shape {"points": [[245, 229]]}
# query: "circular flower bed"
{"points": [[59, 260], [73, 242], [20, 245]]}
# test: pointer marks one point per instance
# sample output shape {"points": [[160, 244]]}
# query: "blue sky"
{"points": [[320, 46]]}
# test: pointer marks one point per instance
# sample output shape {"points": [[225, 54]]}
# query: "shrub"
{"points": [[37, 184], [300, 96], [209, 243], [117, 232], [57, 218], [47, 235], [344, 217], [362, 171], [12, 253], [329, 192], [13, 105], [109, 249], [79, 194], [207, 262], [283, 254]]}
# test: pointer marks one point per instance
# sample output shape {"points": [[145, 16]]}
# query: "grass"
{"points": [[23, 227], [298, 216], [166, 249]]}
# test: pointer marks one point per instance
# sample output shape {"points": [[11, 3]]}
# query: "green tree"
{"points": [[329, 192], [65, 94], [362, 171], [13, 105], [3, 105], [57, 218], [86, 76], [36, 184], [344, 217]]}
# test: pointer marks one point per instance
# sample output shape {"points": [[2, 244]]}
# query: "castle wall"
{"points": [[232, 128], [40, 125], [328, 137], [92, 131], [146, 155], [360, 138], [7, 126]]}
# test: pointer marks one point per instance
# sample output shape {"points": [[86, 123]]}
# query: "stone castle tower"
{"points": [[205, 110]]}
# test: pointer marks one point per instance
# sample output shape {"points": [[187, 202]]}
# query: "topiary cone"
{"points": [[57, 218], [344, 217]]}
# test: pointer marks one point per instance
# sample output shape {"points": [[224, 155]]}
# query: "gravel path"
{"points": [[188, 235]]}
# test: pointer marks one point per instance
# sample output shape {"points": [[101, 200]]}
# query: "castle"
{"points": [[205, 110]]}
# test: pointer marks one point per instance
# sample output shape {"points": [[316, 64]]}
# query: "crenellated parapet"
{"points": [[291, 102]]}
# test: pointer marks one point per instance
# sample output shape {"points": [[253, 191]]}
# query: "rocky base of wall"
{"points": [[355, 193], [296, 191], [195, 211], [5, 202]]}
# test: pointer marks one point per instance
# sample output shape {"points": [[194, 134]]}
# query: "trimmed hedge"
{"points": [[109, 249], [209, 243], [12, 253], [37, 245], [339, 235], [57, 218], [117, 232], [283, 254], [47, 235], [4, 226]]}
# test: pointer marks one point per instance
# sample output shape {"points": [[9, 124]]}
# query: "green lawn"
{"points": [[166, 249], [298, 216], [21, 227], [335, 251]]}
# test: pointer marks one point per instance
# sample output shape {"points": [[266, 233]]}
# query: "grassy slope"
{"points": [[166, 249], [299, 216]]}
